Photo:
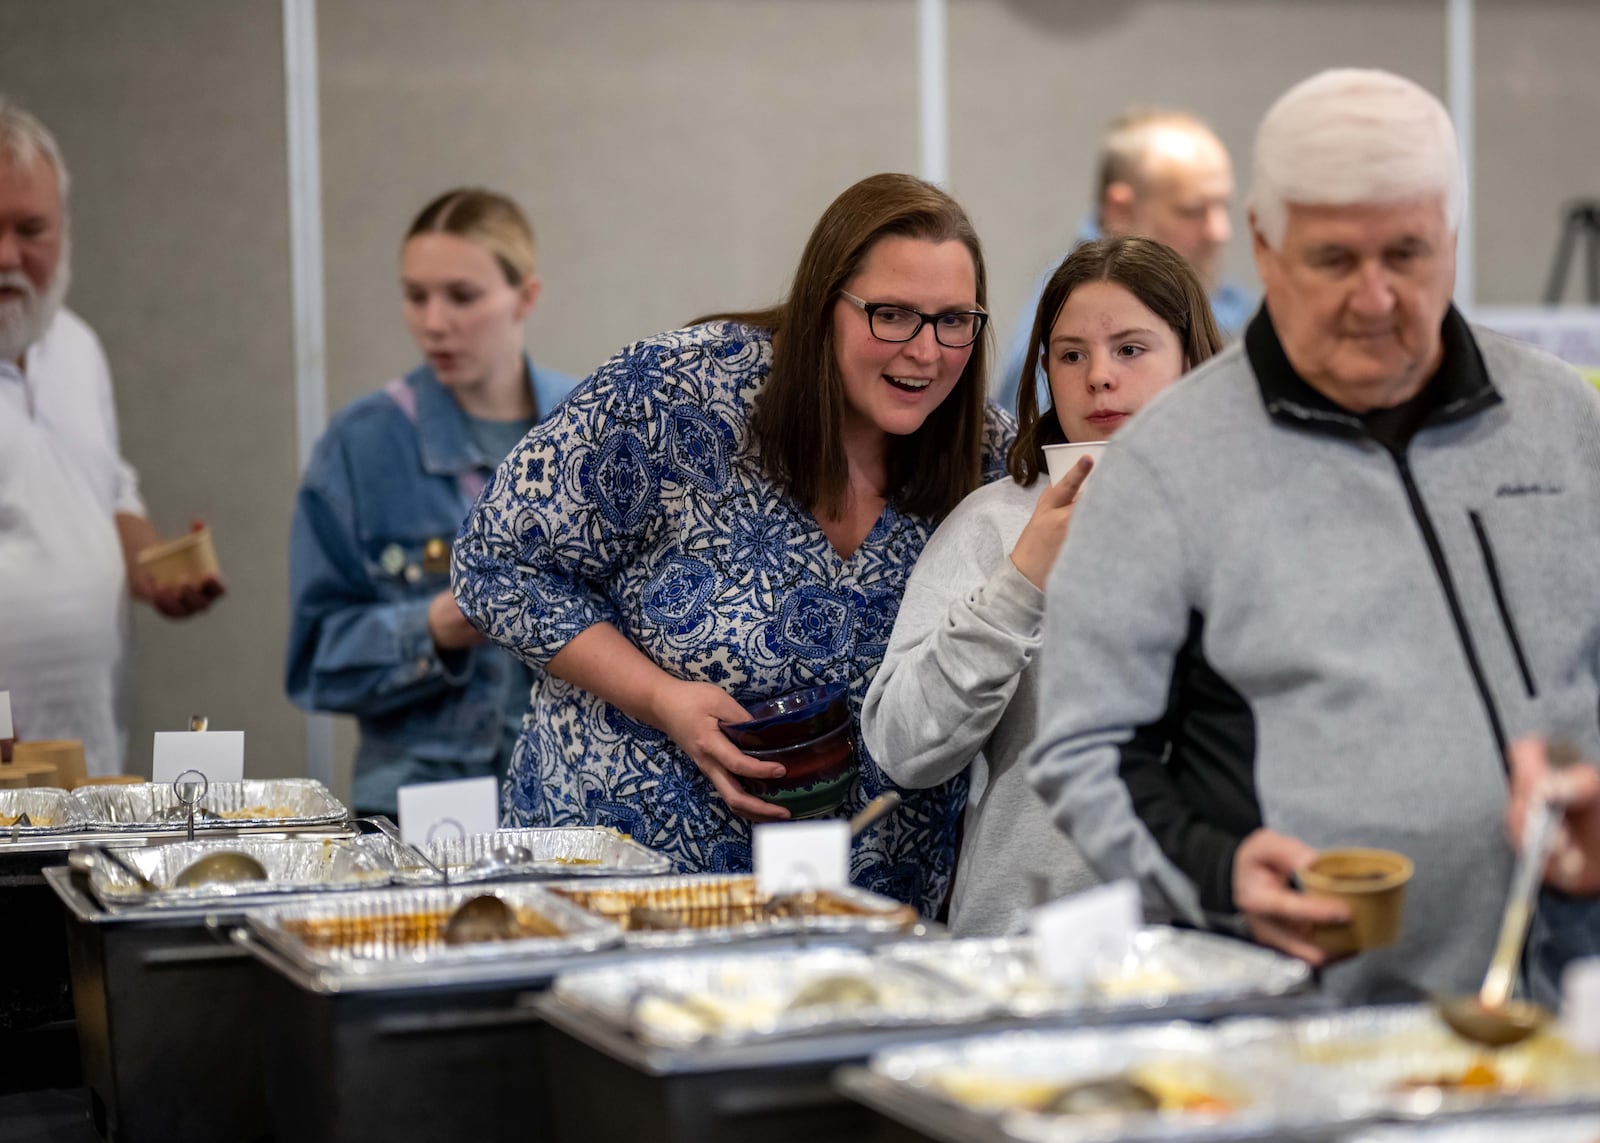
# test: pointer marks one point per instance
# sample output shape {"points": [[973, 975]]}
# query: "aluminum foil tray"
{"points": [[761, 996], [1008, 1080], [1200, 973], [1536, 1129], [394, 938], [1403, 1062], [715, 909], [293, 865], [581, 851], [51, 810], [276, 802]]}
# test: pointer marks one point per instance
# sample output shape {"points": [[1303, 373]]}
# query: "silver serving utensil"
{"points": [[219, 869], [1492, 1017], [885, 803], [502, 859], [481, 918], [384, 826], [16, 827], [127, 867]]}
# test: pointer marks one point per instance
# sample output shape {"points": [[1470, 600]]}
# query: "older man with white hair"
{"points": [[1333, 572], [71, 520]]}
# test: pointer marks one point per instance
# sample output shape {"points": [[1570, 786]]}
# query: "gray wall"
{"points": [[672, 153]]}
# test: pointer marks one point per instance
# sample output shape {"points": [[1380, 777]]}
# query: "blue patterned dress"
{"points": [[640, 502]]}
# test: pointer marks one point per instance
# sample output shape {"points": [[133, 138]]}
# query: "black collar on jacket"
{"points": [[1459, 389]]}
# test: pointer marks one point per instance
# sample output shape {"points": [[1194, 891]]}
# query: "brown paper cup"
{"points": [[65, 754], [1373, 883], [191, 557]]}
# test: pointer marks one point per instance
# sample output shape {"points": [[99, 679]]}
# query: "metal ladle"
{"points": [[127, 867], [481, 918], [1491, 1017], [219, 869]]}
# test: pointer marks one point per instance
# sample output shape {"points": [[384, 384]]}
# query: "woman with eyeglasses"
{"points": [[1119, 321], [374, 630], [729, 512]]}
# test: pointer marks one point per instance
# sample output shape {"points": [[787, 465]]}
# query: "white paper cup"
{"points": [[1059, 458]]}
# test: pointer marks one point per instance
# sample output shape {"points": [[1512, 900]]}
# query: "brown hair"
{"points": [[1155, 274], [798, 419], [491, 220]]}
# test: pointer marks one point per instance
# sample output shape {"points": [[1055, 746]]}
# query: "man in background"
{"points": [[1163, 175], [72, 524]]}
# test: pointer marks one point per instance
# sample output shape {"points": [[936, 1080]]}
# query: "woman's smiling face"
{"points": [[893, 386]]}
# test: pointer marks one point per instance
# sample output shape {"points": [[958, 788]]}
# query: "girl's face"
{"points": [[1108, 355], [462, 313], [892, 386]]}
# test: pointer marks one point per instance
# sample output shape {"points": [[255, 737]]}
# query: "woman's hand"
{"points": [[688, 713], [604, 662], [1046, 530]]}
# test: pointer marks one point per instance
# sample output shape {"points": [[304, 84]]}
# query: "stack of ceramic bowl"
{"points": [[810, 734]]}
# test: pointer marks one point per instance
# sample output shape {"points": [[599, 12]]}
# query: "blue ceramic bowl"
{"points": [[793, 718]]}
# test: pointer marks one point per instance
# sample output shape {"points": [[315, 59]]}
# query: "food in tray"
{"points": [[33, 819], [692, 1013], [1141, 982], [253, 813], [1480, 1075], [838, 990], [1168, 1087], [385, 935], [716, 904]]}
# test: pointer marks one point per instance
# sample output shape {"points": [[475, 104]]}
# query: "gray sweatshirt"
{"points": [[959, 678], [1333, 640]]}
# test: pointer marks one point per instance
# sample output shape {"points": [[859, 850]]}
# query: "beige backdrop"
{"points": [[672, 153]]}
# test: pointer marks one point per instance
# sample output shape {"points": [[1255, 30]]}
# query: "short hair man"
{"points": [[1163, 175], [71, 521], [1318, 586]]}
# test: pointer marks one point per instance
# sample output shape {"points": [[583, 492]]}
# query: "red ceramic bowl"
{"points": [[817, 774]]}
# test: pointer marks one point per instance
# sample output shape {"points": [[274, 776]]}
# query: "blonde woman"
{"points": [[375, 631]]}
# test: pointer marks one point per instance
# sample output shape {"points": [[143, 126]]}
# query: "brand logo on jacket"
{"points": [[1528, 490]]}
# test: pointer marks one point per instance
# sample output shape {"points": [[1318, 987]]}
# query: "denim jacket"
{"points": [[378, 508]]}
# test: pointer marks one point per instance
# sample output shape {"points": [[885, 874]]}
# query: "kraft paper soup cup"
{"points": [[1373, 883], [190, 558], [1059, 458]]}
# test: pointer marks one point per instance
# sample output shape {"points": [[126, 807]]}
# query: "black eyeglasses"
{"points": [[955, 330]]}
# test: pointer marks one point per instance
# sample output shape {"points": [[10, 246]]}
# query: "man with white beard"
{"points": [[71, 520]]}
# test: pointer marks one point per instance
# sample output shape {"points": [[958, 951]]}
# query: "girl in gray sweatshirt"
{"points": [[1119, 321]]}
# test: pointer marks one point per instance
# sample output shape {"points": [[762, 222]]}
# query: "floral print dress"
{"points": [[641, 502]]}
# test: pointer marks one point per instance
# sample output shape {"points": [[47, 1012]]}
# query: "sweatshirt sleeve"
{"points": [[1117, 615], [969, 624]]}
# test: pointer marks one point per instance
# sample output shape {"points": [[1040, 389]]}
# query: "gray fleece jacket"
{"points": [[1297, 627], [959, 678]]}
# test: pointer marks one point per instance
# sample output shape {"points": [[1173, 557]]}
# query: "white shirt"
{"points": [[63, 597]]}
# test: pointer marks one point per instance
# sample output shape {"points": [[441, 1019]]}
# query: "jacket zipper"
{"points": [[1442, 569], [1493, 569]]}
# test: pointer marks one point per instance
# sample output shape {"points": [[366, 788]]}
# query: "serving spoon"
{"points": [[220, 869], [1491, 1017], [481, 918]]}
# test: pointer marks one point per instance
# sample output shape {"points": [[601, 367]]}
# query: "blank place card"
{"points": [[1078, 934], [5, 715], [792, 856], [218, 754], [449, 809]]}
